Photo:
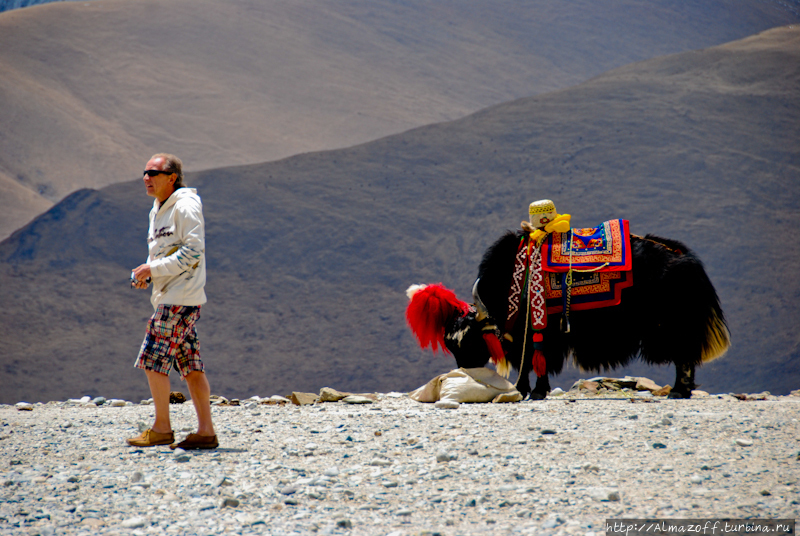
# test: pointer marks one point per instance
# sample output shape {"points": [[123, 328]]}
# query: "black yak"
{"points": [[660, 307]]}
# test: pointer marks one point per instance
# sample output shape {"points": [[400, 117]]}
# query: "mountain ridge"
{"points": [[309, 256], [230, 84]]}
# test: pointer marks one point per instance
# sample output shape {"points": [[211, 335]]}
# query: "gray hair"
{"points": [[172, 164]]}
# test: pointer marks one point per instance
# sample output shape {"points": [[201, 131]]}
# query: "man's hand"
{"points": [[141, 275]]}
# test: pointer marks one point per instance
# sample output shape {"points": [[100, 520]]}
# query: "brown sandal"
{"points": [[149, 438], [195, 441]]}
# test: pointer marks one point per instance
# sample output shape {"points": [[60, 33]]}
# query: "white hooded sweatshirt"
{"points": [[177, 255]]}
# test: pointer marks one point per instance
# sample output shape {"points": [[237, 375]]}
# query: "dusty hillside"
{"points": [[309, 256], [89, 89]]}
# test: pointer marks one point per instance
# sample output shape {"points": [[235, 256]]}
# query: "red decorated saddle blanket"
{"points": [[599, 260], [605, 248], [589, 290]]}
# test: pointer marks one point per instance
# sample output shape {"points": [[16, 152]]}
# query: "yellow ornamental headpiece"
{"points": [[544, 219], [542, 212]]}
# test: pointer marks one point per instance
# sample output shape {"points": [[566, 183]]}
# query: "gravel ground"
{"points": [[395, 466]]}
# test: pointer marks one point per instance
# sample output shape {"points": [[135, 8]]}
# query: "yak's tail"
{"points": [[696, 306], [715, 339], [429, 309], [718, 338]]}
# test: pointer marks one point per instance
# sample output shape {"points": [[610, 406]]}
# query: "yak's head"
{"points": [[433, 309], [430, 309]]}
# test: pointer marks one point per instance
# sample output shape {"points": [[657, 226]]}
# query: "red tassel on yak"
{"points": [[495, 348], [429, 310], [539, 362]]}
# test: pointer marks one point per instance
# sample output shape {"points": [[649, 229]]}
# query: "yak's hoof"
{"points": [[679, 394], [537, 396]]}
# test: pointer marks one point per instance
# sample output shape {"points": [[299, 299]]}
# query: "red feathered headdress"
{"points": [[430, 308]]}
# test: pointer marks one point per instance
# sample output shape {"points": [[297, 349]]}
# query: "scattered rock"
{"points": [[217, 400], [664, 391], [229, 502], [327, 394], [604, 494], [303, 399], [176, 397], [646, 384], [504, 398], [445, 456], [135, 523], [299, 469], [357, 399], [290, 490], [331, 472], [446, 404], [585, 385], [276, 400]]}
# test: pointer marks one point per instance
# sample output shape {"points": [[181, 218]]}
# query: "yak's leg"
{"points": [[523, 383], [684, 381], [542, 388]]}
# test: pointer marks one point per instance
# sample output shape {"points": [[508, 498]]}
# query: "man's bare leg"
{"points": [[200, 392], [159, 390]]}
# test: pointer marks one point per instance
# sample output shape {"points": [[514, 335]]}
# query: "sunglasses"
{"points": [[154, 172]]}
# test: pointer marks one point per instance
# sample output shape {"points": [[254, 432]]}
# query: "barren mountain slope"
{"points": [[309, 257], [90, 89]]}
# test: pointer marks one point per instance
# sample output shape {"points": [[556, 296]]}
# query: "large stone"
{"points": [[303, 399], [628, 382], [612, 384], [664, 391], [514, 396], [176, 397], [327, 394], [646, 384]]}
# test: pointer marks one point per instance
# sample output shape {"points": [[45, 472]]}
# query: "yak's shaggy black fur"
{"points": [[671, 314]]}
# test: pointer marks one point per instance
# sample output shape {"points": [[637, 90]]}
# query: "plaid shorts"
{"points": [[171, 340]]}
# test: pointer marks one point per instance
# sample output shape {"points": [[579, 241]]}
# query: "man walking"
{"points": [[176, 266]]}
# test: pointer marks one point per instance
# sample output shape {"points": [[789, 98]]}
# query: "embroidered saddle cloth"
{"points": [[600, 258], [605, 248], [589, 290]]}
